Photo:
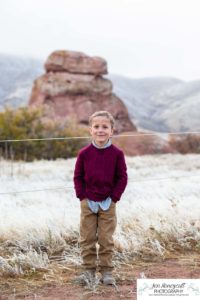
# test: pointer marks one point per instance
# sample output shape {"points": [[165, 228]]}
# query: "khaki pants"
{"points": [[97, 228]]}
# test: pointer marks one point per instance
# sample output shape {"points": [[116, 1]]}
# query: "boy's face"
{"points": [[101, 130]]}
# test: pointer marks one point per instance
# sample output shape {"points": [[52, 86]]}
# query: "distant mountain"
{"points": [[160, 104], [16, 80]]}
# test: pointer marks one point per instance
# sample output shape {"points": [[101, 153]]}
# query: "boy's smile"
{"points": [[101, 130]]}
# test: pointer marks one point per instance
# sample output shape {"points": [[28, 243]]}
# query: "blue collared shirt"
{"points": [[105, 204]]}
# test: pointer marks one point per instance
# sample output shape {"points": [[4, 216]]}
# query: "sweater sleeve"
{"points": [[79, 173], [120, 178]]}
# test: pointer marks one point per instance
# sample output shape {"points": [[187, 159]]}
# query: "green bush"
{"points": [[30, 123]]}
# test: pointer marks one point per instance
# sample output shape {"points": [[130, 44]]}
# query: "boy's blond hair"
{"points": [[102, 113]]}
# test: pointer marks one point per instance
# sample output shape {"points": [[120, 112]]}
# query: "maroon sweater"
{"points": [[100, 173]]}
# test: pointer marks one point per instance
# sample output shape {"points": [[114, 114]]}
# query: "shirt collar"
{"points": [[108, 144]]}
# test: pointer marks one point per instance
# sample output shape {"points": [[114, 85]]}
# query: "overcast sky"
{"points": [[138, 38]]}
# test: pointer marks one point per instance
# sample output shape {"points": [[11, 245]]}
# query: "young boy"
{"points": [[100, 178]]}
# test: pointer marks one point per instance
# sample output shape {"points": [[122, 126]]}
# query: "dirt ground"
{"points": [[59, 283]]}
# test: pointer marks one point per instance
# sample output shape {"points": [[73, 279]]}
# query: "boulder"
{"points": [[75, 62]]}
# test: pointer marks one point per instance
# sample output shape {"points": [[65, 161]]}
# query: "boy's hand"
{"points": [[83, 199], [113, 201]]}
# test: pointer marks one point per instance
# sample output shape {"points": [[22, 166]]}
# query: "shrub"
{"points": [[30, 123]]}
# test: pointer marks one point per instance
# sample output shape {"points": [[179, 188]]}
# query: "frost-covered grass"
{"points": [[159, 212]]}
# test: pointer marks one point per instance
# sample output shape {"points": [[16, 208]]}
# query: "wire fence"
{"points": [[72, 187], [88, 137]]}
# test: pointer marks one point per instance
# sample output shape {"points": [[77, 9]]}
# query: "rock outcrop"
{"points": [[75, 62], [73, 86]]}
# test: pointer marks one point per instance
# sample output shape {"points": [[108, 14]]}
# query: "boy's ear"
{"points": [[90, 130]]}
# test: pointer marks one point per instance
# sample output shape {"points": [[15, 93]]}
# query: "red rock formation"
{"points": [[73, 87]]}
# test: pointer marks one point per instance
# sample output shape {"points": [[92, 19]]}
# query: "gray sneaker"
{"points": [[107, 278]]}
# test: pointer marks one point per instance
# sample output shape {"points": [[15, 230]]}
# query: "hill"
{"points": [[17, 75], [161, 104]]}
